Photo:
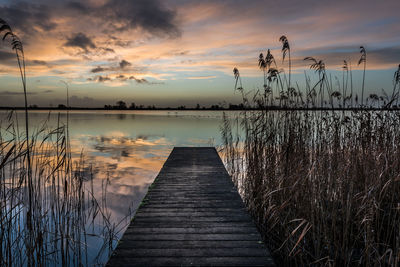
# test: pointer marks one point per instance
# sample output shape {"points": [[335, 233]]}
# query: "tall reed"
{"points": [[396, 83], [322, 185], [17, 46], [46, 202], [363, 60], [286, 50]]}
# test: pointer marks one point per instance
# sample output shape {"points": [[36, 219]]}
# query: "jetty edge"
{"points": [[192, 215]]}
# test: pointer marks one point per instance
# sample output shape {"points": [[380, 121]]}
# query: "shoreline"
{"points": [[212, 109]]}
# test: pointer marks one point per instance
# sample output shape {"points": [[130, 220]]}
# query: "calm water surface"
{"points": [[128, 149]]}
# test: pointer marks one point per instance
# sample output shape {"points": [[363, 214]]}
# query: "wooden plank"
{"points": [[192, 261], [177, 237], [132, 244], [192, 215], [179, 213], [196, 224], [189, 252], [190, 230]]}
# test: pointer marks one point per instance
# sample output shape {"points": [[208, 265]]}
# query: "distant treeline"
{"points": [[121, 105]]}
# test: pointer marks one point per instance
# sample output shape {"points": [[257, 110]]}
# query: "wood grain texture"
{"points": [[192, 215]]}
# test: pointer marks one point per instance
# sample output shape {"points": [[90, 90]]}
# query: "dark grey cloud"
{"points": [[77, 6], [80, 40], [85, 46], [336, 55], [98, 69], [119, 42], [123, 64], [107, 50], [99, 78], [386, 55], [29, 19], [120, 77], [6, 56], [39, 62], [140, 81], [150, 15], [103, 78], [59, 72], [26, 17]]}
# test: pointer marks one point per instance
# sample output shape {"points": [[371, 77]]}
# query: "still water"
{"points": [[127, 149]]}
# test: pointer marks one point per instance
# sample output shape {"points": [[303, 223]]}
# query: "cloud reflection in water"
{"points": [[130, 164], [123, 154]]}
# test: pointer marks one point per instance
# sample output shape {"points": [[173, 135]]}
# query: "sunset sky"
{"points": [[172, 52]]}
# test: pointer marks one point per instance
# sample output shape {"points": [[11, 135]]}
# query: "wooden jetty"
{"points": [[192, 215]]}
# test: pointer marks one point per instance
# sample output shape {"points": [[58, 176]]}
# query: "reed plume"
{"points": [[363, 59], [262, 64], [17, 46], [286, 51], [396, 82], [319, 67], [45, 206], [322, 185]]}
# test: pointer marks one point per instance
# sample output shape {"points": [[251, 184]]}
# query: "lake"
{"points": [[126, 150]]}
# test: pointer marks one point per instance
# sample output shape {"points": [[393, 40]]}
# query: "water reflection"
{"points": [[130, 150], [126, 150]]}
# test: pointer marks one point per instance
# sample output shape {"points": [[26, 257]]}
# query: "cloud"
{"points": [[119, 42], [377, 58], [76, 6], [98, 69], [28, 18], [140, 81], [11, 93], [124, 64], [389, 55], [215, 36], [6, 56], [107, 50], [149, 15], [58, 72], [39, 62], [121, 78], [100, 79], [86, 46], [36, 63], [80, 40]]}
